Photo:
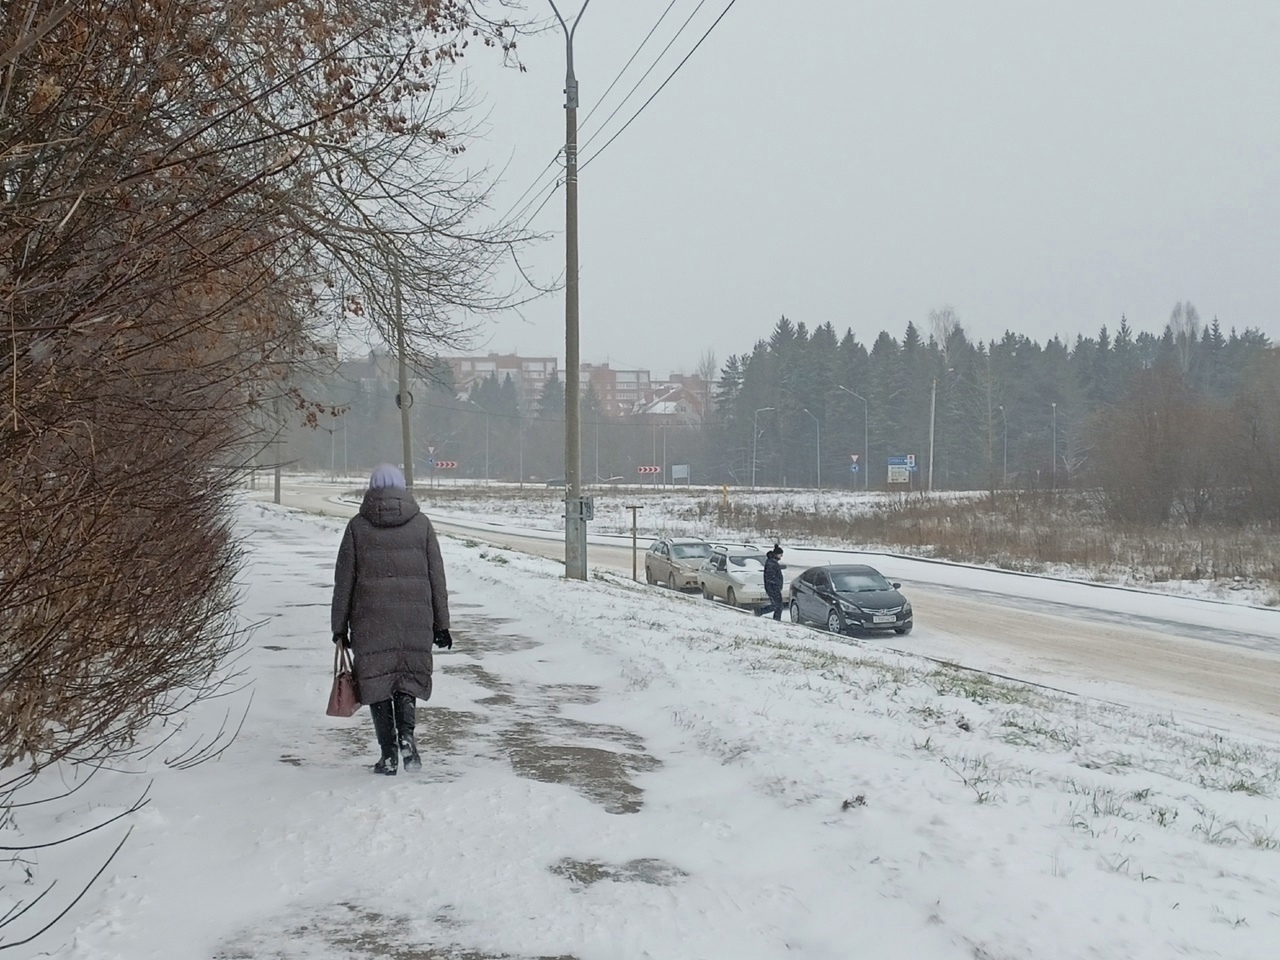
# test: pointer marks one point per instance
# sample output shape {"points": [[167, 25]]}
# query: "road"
{"points": [[1083, 648]]}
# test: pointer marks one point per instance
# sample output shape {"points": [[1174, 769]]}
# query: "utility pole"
{"points": [[1005, 417], [818, 434], [755, 433], [866, 434], [276, 447], [933, 406], [1055, 446], [634, 567], [575, 525], [403, 399]]}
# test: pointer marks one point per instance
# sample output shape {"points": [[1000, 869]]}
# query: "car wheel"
{"points": [[706, 594], [902, 631], [833, 621], [795, 612], [671, 581], [648, 575], [732, 598]]}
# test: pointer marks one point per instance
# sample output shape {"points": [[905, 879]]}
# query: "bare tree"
{"points": [[188, 191], [943, 322], [1184, 323], [707, 371]]}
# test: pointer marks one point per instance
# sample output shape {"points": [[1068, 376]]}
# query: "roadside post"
{"points": [[633, 508]]}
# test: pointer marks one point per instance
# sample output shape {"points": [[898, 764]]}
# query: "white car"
{"points": [[735, 574]]}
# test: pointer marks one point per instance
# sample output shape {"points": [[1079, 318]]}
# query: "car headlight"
{"points": [[906, 609], [848, 607]]}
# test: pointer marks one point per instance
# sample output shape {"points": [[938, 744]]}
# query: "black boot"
{"points": [[406, 710], [384, 727]]}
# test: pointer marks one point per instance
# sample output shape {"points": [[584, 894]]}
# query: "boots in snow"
{"points": [[406, 709], [384, 727]]}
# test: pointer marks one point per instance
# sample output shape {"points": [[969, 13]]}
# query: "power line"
{"points": [[627, 65], [645, 75], [655, 93], [534, 183], [554, 185], [599, 103]]}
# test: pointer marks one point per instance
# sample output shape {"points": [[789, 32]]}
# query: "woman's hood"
{"points": [[389, 507]]}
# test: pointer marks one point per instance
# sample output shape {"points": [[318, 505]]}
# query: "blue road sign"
{"points": [[853, 468]]}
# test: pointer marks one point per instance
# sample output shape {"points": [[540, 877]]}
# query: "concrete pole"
{"points": [[275, 446], [933, 406], [634, 565], [575, 527], [755, 434], [1055, 447]]}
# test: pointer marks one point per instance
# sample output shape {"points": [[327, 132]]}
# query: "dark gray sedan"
{"points": [[849, 598]]}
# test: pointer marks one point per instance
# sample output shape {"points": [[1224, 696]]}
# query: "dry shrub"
{"points": [[186, 189], [1029, 532]]}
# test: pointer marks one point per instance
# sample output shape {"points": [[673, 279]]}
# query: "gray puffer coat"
{"points": [[389, 595]]}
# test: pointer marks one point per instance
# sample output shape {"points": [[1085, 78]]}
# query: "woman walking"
{"points": [[390, 603]]}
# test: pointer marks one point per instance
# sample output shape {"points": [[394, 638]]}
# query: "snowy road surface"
{"points": [[613, 772], [1080, 636]]}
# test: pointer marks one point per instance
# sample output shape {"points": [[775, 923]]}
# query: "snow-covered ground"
{"points": [[614, 771]]}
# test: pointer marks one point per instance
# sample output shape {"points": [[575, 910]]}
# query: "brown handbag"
{"points": [[344, 701]]}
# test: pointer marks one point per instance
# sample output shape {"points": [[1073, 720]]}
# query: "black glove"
{"points": [[342, 639], [442, 639]]}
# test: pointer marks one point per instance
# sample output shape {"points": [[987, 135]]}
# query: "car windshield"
{"points": [[690, 551], [850, 582], [747, 564]]}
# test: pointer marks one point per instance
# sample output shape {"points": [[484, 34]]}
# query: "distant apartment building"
{"points": [[620, 392], [529, 374]]}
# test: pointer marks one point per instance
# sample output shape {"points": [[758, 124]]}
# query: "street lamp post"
{"points": [[575, 525], [1004, 417], [755, 434], [866, 435], [817, 431], [1055, 447]]}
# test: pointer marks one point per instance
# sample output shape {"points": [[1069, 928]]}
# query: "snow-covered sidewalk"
{"points": [[616, 772]]}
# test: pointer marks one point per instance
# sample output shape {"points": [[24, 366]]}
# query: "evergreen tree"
{"points": [[551, 403]]}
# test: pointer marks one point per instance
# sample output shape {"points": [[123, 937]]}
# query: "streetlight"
{"points": [[817, 430], [866, 434], [1004, 417], [755, 435], [575, 524], [1055, 446], [486, 437]]}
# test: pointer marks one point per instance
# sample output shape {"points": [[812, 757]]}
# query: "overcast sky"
{"points": [[1042, 168]]}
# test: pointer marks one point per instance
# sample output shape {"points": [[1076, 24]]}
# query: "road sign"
{"points": [[446, 464], [853, 468], [431, 449], [648, 469], [911, 459], [853, 457]]}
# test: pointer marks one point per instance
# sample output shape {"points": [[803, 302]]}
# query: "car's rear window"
{"points": [[748, 562], [859, 582], [687, 551]]}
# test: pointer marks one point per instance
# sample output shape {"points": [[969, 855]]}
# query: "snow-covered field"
{"points": [[618, 772]]}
